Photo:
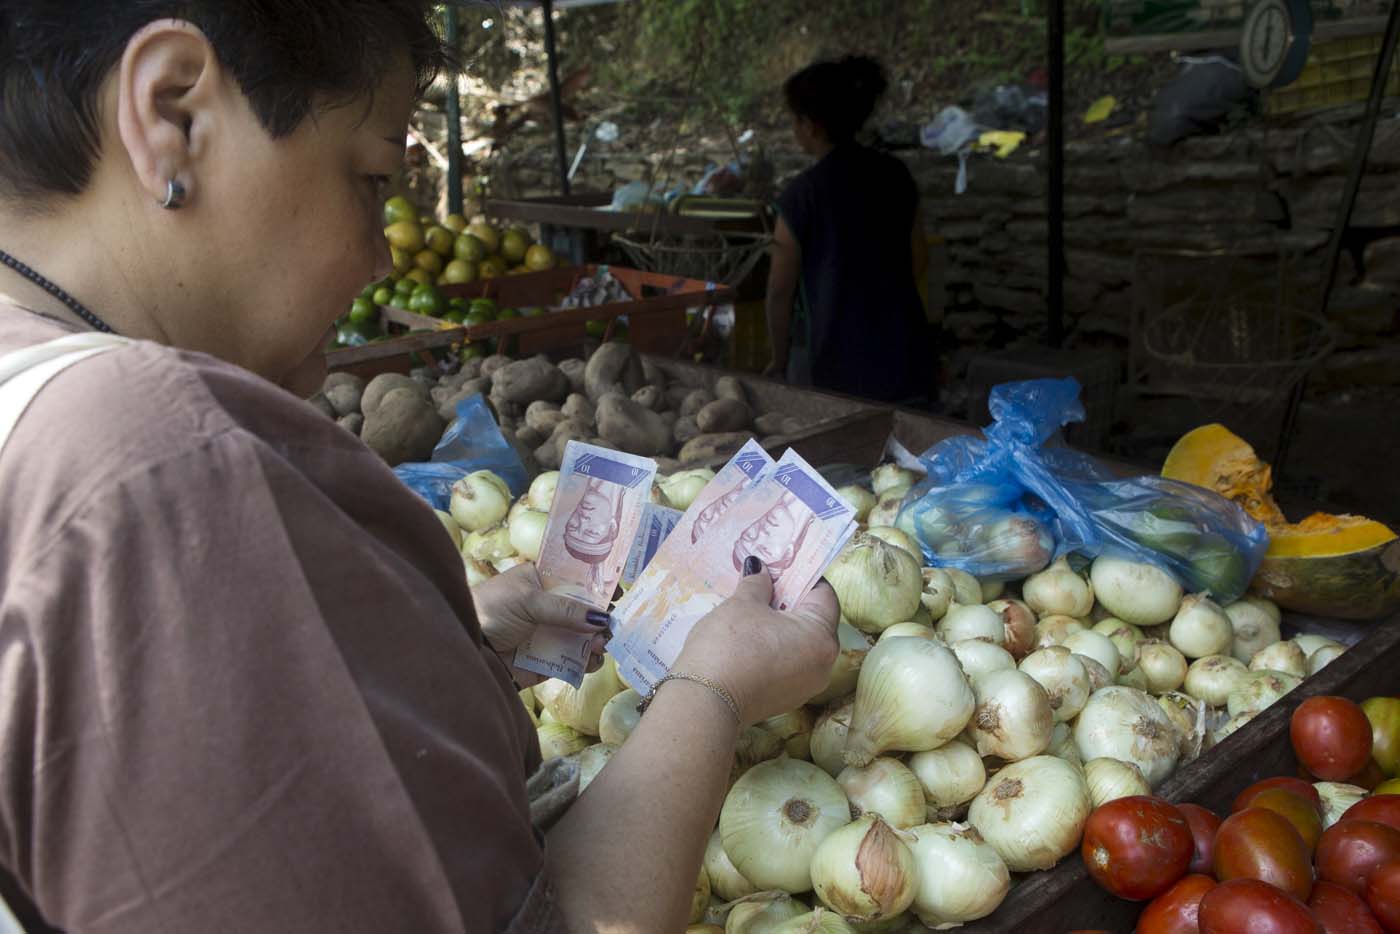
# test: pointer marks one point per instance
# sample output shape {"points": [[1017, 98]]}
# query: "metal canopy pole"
{"points": [[555, 99], [1055, 297], [454, 123]]}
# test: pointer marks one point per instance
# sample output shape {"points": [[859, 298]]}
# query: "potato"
{"points": [[770, 423], [402, 427], [696, 400], [573, 368], [551, 454], [577, 426], [529, 438], [632, 427], [323, 405], [722, 415], [525, 381], [503, 408], [472, 368], [705, 448], [527, 457], [654, 375], [671, 416], [676, 393], [447, 408], [385, 383], [491, 364], [613, 367], [352, 422], [345, 399], [729, 387], [343, 379], [578, 406], [684, 429], [424, 375], [793, 425], [649, 396], [666, 465], [543, 416]]}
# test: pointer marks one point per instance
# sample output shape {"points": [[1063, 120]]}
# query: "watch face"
{"points": [[1265, 41]]}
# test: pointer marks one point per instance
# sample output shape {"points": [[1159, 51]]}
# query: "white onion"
{"points": [[1201, 628], [540, 496], [922, 617], [1135, 593], [894, 494], [1218, 734], [885, 787], [700, 898], [853, 644], [1013, 719], [1266, 606], [893, 536], [1032, 812], [1126, 638], [909, 630], [490, 544], [1111, 779], [527, 533], [1062, 746], [1122, 723], [938, 592], [991, 589], [950, 776], [619, 717], [454, 531], [754, 745], [1099, 676], [876, 583], [591, 761], [864, 872], [1259, 690], [1286, 657], [581, 707], [886, 512], [971, 622], [858, 498], [1254, 628], [978, 657], [911, 695], [961, 877], [682, 487], [828, 745], [888, 476], [1308, 642], [761, 912], [725, 881], [1054, 630], [1018, 621], [1097, 646], [775, 817], [479, 500], [1324, 657], [1136, 678], [505, 564], [1162, 665], [794, 730], [557, 740], [1212, 679], [816, 921], [967, 590], [1188, 716], [1337, 798], [1066, 683], [1058, 591]]}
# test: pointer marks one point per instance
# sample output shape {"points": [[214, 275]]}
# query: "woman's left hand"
{"points": [[511, 606]]}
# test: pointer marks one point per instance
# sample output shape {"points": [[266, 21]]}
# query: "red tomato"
{"points": [[1136, 847], [1383, 809], [1261, 844], [1296, 785], [1295, 809], [1204, 824], [1248, 906], [1349, 850], [1177, 910], [1331, 737], [1383, 894], [1340, 911], [1369, 777]]}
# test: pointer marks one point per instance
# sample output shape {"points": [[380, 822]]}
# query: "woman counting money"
{"points": [[243, 685]]}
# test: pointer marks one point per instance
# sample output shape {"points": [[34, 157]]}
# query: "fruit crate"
{"points": [[1337, 72]]}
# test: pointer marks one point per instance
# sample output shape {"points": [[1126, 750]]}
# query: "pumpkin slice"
{"points": [[1346, 567]]}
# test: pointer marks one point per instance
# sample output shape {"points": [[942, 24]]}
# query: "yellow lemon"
{"points": [[399, 208], [539, 257], [458, 271], [403, 260], [488, 235], [406, 235], [440, 240], [455, 223], [469, 248], [420, 275], [427, 259], [514, 244], [491, 267]]}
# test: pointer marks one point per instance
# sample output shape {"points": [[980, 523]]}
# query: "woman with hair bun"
{"points": [[843, 251]]}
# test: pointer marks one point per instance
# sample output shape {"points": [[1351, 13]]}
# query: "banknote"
{"points": [[594, 518], [657, 523], [791, 519]]}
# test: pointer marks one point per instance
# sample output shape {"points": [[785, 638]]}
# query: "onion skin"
{"points": [[1201, 628], [775, 817], [1135, 593], [1060, 673], [1032, 812], [950, 775], [1058, 591], [1122, 723], [961, 877], [911, 696], [877, 584], [1018, 620], [1013, 719], [864, 872]]}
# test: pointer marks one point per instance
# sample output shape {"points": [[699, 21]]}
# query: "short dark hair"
{"points": [[838, 96], [288, 56]]}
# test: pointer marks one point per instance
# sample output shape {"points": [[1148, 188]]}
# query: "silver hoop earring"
{"points": [[174, 195]]}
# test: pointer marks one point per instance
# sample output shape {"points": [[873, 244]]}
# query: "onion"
{"points": [[775, 817], [893, 536], [1018, 620], [961, 877], [1286, 657], [1254, 628], [885, 787], [916, 630], [454, 531], [1133, 679], [1218, 734], [681, 487], [911, 695], [1122, 723], [887, 476], [505, 564], [1268, 607], [527, 697], [885, 512], [846, 669], [1140, 594], [1111, 779], [876, 583], [1213, 678], [546, 716], [761, 912], [858, 498], [950, 776], [1013, 719], [1032, 812], [1162, 665], [700, 898], [816, 921], [864, 871], [1324, 657], [1188, 716], [828, 745], [753, 746], [1059, 671], [619, 717], [1058, 591], [1097, 673], [1337, 798], [966, 588], [1308, 642], [794, 730], [1201, 628], [1062, 746], [1054, 630], [540, 496], [725, 881], [1097, 646], [488, 544], [978, 657], [991, 589], [1126, 638], [1258, 690], [591, 761], [938, 592], [581, 707], [971, 622], [479, 500], [557, 740], [894, 494], [527, 533]]}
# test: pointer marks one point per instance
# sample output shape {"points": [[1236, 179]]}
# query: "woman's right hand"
{"points": [[771, 662]]}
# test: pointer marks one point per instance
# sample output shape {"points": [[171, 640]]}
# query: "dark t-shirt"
{"points": [[853, 214]]}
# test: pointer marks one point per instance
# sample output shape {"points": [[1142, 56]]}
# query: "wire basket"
{"points": [[723, 258]]}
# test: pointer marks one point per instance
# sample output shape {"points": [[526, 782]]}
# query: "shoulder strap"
{"points": [[24, 372]]}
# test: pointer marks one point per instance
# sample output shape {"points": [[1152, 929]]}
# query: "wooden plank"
{"points": [[536, 211]]}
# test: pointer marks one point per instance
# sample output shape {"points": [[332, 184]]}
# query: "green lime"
{"points": [[453, 315], [486, 305], [507, 314], [427, 301], [595, 329], [383, 296], [368, 291], [473, 318], [399, 208], [534, 311], [459, 303], [405, 286], [473, 351], [469, 249], [363, 309]]}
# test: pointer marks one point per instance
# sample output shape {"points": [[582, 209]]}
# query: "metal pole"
{"points": [[555, 100], [454, 123], [1055, 297]]}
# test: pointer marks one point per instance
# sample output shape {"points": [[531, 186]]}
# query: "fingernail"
{"points": [[598, 618], [752, 566]]}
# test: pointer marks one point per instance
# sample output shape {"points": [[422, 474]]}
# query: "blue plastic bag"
{"points": [[1003, 507], [472, 442]]}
